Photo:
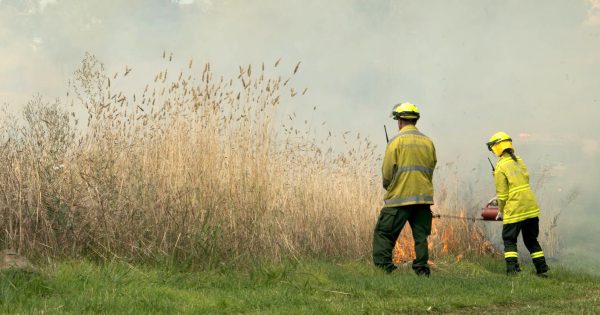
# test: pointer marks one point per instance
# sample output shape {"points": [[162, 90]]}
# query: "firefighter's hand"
{"points": [[499, 216]]}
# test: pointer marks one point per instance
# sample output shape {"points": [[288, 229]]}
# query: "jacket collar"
{"points": [[409, 127]]}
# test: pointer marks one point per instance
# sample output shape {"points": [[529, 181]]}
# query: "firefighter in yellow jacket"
{"points": [[407, 178], [518, 207]]}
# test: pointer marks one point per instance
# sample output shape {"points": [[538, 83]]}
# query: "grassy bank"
{"points": [[315, 287]]}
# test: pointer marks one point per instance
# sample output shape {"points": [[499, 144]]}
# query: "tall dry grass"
{"points": [[195, 168]]}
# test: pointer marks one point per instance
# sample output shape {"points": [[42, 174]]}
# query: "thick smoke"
{"points": [[474, 68]]}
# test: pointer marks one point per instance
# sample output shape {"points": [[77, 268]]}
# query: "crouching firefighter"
{"points": [[407, 170], [519, 210]]}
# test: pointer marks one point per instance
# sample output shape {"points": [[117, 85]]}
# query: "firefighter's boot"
{"points": [[422, 271], [541, 267], [512, 266]]}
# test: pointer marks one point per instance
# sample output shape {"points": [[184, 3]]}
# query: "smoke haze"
{"points": [[473, 67]]}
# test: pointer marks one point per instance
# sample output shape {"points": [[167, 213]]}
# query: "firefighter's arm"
{"points": [[434, 159], [389, 165], [501, 188]]}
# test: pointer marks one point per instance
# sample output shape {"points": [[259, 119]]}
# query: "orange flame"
{"points": [[448, 237]]}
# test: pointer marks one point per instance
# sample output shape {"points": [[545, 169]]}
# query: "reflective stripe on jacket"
{"points": [[515, 198], [408, 168]]}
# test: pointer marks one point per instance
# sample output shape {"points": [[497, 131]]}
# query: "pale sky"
{"points": [[474, 67], [524, 65]]}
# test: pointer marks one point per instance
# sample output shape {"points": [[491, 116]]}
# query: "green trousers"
{"points": [[388, 228], [530, 229]]}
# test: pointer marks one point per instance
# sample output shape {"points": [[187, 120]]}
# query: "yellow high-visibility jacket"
{"points": [[407, 169], [515, 198]]}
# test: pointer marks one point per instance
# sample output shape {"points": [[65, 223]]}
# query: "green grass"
{"points": [[316, 287]]}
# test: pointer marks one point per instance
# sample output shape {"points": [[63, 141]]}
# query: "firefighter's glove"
{"points": [[499, 216]]}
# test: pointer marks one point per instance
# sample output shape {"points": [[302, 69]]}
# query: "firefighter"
{"points": [[407, 172], [519, 210]]}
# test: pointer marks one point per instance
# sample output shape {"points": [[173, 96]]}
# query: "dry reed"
{"points": [[193, 168]]}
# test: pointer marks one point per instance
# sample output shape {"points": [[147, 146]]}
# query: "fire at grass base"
{"points": [[455, 238]]}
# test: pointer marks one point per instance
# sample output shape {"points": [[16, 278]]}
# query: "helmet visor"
{"points": [[491, 144], [405, 115]]}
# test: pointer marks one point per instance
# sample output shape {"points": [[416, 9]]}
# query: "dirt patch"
{"points": [[10, 259]]}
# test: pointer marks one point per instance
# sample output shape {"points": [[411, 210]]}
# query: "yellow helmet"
{"points": [[499, 142], [405, 111]]}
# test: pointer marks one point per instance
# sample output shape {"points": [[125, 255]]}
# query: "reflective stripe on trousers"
{"points": [[511, 255], [537, 254]]}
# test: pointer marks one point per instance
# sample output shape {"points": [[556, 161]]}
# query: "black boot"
{"points": [[541, 267], [422, 271], [389, 268], [512, 266]]}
